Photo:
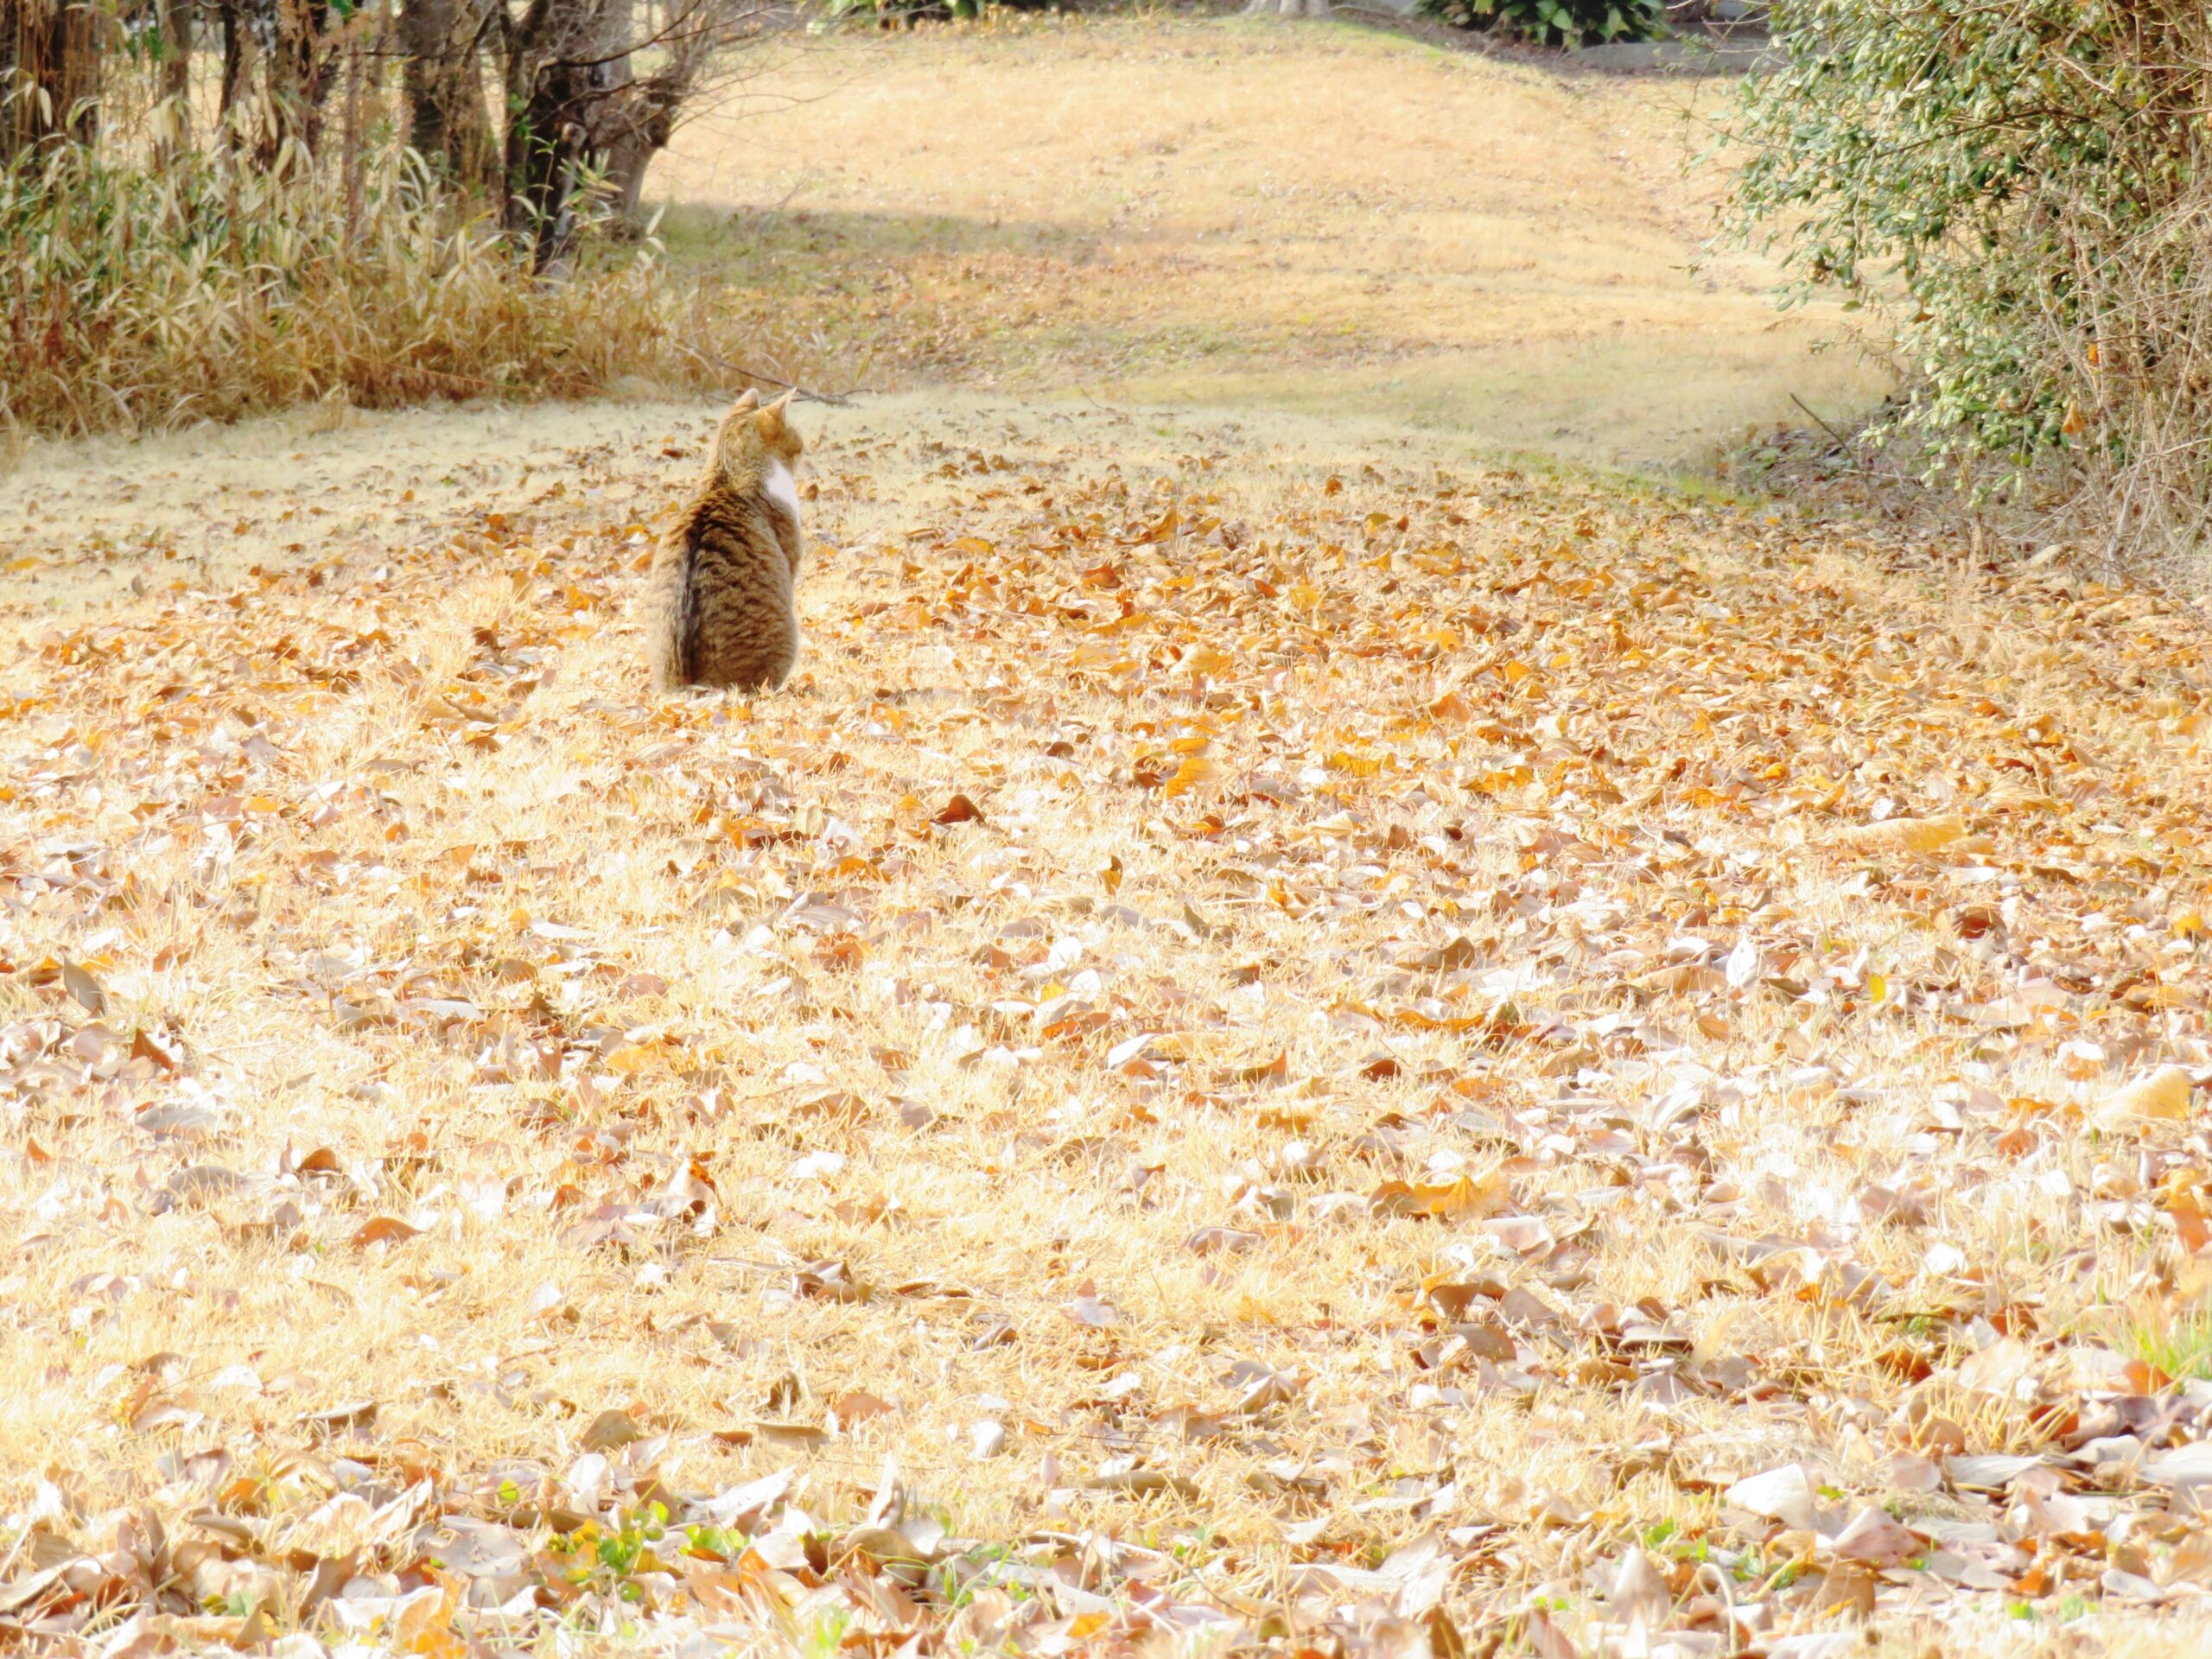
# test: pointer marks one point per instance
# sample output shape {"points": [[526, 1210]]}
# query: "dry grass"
{"points": [[1230, 212], [641, 1016], [1409, 1085], [136, 298]]}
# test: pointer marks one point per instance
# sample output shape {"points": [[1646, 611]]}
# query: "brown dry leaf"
{"points": [[1195, 772], [829, 1281], [1464, 1198], [148, 1045], [1274, 1071], [857, 1407], [1215, 1241], [1873, 1539], [383, 1229], [609, 1430], [1158, 530], [87, 990], [1848, 1589], [1205, 659], [1089, 1310]]}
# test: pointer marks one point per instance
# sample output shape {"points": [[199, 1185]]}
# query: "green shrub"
{"points": [[1553, 23], [2017, 194]]}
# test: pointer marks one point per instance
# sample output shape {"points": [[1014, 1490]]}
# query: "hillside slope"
{"points": [[1229, 213]]}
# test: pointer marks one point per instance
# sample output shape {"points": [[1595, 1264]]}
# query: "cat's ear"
{"points": [[771, 417], [749, 398]]}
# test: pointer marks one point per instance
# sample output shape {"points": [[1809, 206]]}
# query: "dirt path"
{"points": [[1229, 214], [1408, 1095]]}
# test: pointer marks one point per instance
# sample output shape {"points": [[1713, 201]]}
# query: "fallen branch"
{"points": [[805, 394], [1823, 425]]}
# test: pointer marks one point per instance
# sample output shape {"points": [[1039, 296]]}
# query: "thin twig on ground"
{"points": [[805, 394]]}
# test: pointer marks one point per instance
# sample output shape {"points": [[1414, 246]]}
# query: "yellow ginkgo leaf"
{"points": [[1195, 769], [2162, 1094], [1204, 659], [1464, 1200], [1901, 836]]}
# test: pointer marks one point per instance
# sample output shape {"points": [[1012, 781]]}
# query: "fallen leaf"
{"points": [[1893, 835], [2162, 1096], [958, 810], [1783, 1494], [857, 1407], [1087, 1309], [609, 1430], [1873, 1539], [87, 990]]}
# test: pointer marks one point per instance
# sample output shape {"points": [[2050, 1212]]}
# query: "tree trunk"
{"points": [[636, 116], [238, 55], [447, 123], [545, 144], [628, 152], [627, 158], [50, 53], [298, 76], [176, 62], [558, 62], [351, 154], [576, 100]]}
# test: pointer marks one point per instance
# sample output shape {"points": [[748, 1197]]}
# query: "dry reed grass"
{"points": [[139, 295]]}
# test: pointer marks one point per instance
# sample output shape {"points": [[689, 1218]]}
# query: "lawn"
{"points": [[1291, 1037]]}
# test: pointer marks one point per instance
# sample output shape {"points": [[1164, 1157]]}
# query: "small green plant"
{"points": [[2177, 1340], [827, 1637], [724, 1543], [609, 1559], [1553, 23]]}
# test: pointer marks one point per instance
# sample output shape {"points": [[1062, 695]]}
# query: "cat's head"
{"points": [[753, 434]]}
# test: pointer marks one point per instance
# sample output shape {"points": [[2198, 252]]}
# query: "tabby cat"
{"points": [[719, 601]]}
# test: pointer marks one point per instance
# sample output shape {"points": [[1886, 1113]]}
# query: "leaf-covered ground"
{"points": [[1281, 1043]]}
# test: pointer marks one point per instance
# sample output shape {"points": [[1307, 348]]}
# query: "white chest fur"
{"points": [[776, 485]]}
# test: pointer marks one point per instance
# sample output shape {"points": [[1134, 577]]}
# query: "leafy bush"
{"points": [[2018, 193], [1554, 22]]}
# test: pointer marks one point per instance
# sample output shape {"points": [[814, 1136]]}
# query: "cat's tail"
{"points": [[672, 610]]}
